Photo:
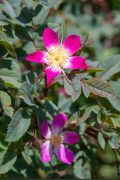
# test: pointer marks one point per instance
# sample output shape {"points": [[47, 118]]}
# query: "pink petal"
{"points": [[58, 123], [51, 73], [71, 137], [46, 151], [72, 43], [76, 62], [45, 130], [64, 154], [37, 57], [50, 38]]}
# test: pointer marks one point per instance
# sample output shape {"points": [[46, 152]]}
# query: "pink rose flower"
{"points": [[58, 56], [55, 140]]}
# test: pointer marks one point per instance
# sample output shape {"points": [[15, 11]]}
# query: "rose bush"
{"points": [[59, 89]]}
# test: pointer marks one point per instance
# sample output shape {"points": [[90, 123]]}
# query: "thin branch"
{"points": [[40, 76], [46, 87], [34, 42]]}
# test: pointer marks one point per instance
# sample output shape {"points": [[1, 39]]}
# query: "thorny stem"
{"points": [[90, 42], [33, 26], [38, 141], [86, 43], [40, 76]]}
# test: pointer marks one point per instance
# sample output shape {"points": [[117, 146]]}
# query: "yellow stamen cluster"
{"points": [[57, 56], [57, 140]]}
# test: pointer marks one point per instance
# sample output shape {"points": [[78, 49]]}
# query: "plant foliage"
{"points": [[90, 98]]}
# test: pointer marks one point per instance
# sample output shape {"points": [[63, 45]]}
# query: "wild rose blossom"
{"points": [[58, 56], [55, 140]]}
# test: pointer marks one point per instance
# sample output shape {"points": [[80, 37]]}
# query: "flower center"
{"points": [[57, 56], [56, 140]]}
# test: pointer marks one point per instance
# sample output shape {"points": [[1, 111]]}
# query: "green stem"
{"points": [[62, 32], [68, 80]]}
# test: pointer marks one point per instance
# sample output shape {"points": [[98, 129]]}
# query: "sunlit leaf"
{"points": [[6, 167], [99, 87], [6, 103], [101, 140], [10, 78], [9, 9]]}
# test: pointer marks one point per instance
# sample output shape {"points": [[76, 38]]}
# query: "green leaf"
{"points": [[101, 140], [8, 72], [2, 146], [6, 103], [73, 88], [115, 119], [27, 158], [9, 9], [5, 99], [25, 93], [44, 3], [94, 69], [2, 23], [21, 31], [81, 171], [1, 27], [9, 111], [98, 87], [110, 67], [68, 87], [114, 141], [2, 156], [86, 91], [10, 78], [64, 103], [54, 3], [41, 16], [88, 111], [115, 101], [18, 126], [8, 46], [6, 167], [76, 88], [16, 6], [51, 107], [10, 82]]}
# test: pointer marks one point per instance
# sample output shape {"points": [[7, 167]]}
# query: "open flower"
{"points": [[58, 56], [55, 138]]}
